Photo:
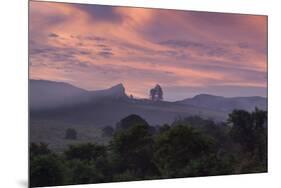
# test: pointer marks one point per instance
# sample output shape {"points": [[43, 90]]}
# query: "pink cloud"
{"points": [[85, 46]]}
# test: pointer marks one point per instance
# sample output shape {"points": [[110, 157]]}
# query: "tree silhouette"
{"points": [[71, 134], [250, 131], [39, 149], [132, 148], [156, 93], [107, 131], [130, 121]]}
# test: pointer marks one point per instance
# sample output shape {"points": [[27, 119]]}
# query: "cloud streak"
{"points": [[95, 47]]}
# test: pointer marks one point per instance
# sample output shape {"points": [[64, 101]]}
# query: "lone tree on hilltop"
{"points": [[156, 93]]}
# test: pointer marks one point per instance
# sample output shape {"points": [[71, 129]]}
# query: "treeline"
{"points": [[137, 151]]}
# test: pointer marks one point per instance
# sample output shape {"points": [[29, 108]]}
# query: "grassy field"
{"points": [[53, 133]]}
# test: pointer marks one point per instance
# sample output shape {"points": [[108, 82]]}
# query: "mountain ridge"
{"points": [[226, 104], [67, 103], [121, 88], [51, 94]]}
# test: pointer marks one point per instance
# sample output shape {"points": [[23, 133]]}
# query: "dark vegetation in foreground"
{"points": [[137, 151]]}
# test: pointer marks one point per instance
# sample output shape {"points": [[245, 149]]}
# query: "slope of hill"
{"points": [[49, 94], [57, 106], [225, 104], [65, 103]]}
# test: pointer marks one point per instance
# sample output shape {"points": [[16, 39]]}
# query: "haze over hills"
{"points": [[226, 104], [49, 94], [65, 103]]}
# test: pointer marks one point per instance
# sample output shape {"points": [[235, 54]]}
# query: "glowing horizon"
{"points": [[95, 47]]}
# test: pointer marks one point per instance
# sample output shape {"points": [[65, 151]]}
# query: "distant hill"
{"points": [[225, 104], [62, 102], [49, 94]]}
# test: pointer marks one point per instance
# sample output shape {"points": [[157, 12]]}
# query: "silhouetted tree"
{"points": [[250, 131], [242, 128], [71, 134], [131, 148], [39, 149], [107, 131], [130, 121], [156, 93]]}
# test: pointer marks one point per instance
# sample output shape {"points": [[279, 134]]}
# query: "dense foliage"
{"points": [[188, 147]]}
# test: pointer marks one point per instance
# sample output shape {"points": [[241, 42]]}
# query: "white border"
{"points": [[13, 82]]}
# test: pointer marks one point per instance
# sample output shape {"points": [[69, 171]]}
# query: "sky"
{"points": [[186, 52]]}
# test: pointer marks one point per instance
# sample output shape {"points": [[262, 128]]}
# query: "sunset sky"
{"points": [[95, 47]]}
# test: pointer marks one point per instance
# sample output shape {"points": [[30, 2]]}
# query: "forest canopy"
{"points": [[188, 147]]}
